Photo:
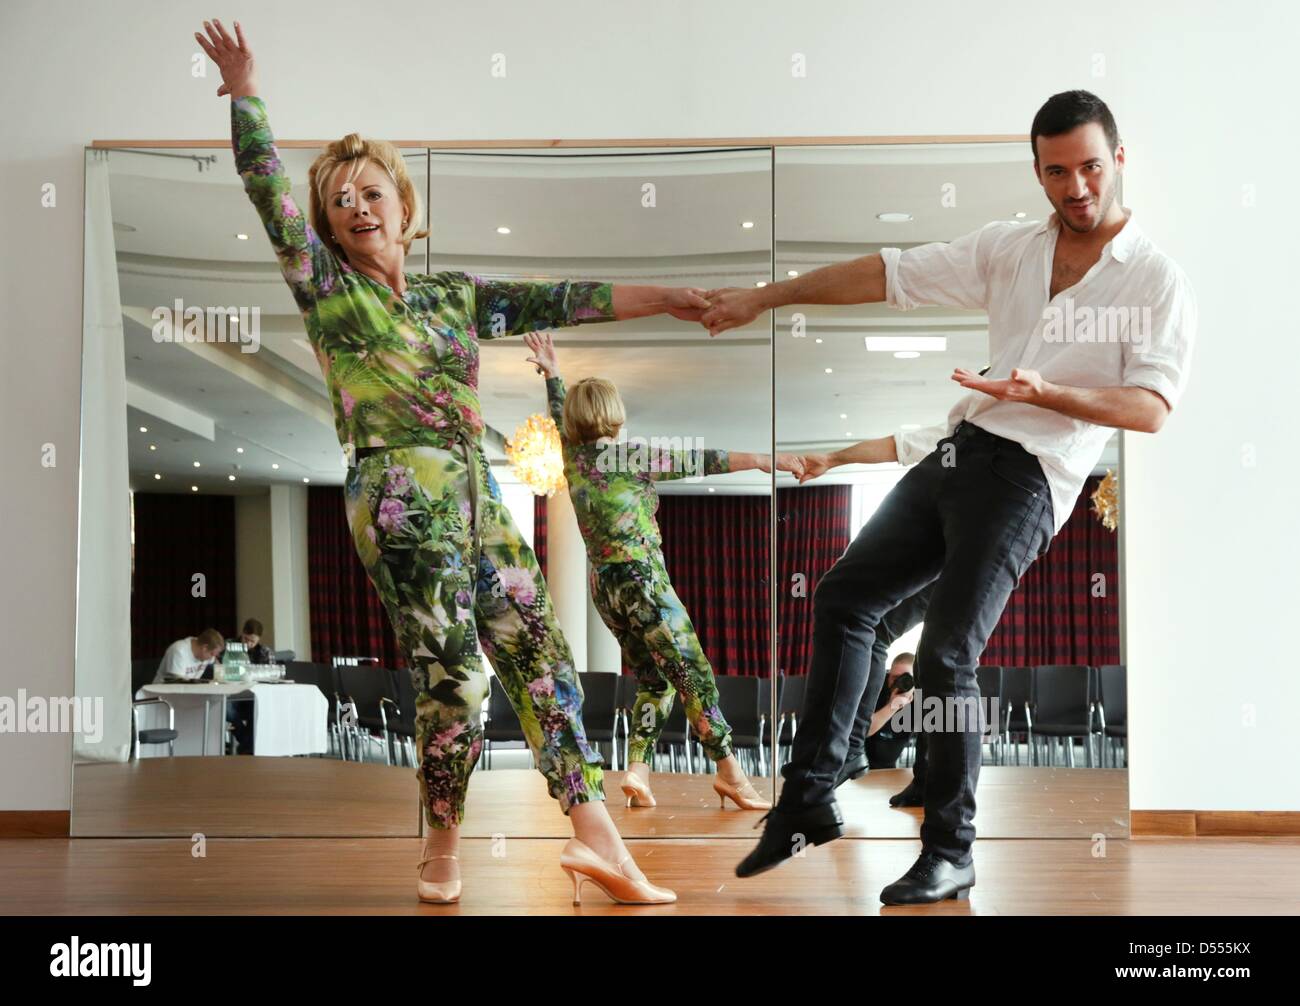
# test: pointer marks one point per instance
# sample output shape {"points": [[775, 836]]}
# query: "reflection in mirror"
{"points": [[661, 576], [303, 712], [865, 372]]}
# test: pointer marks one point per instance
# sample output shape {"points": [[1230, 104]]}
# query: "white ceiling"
{"points": [[581, 215]]}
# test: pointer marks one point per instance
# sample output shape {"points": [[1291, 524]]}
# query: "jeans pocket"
{"points": [[1019, 468]]}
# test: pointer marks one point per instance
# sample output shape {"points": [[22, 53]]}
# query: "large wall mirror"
{"points": [[212, 494]]}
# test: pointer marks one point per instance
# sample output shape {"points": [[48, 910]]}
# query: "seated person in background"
{"points": [[190, 658], [251, 637], [239, 712], [884, 743]]}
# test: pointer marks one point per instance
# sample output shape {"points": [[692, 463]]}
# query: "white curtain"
{"points": [[103, 661]]}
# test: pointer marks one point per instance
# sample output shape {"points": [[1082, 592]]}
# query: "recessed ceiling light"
{"points": [[242, 237], [747, 224], [275, 466], [918, 343], [503, 230], [144, 429], [239, 450], [828, 370], [196, 464], [710, 489], [907, 354], [156, 475], [848, 433], [1021, 214], [153, 447], [305, 479], [194, 489], [844, 415], [792, 272], [818, 341], [893, 218], [761, 282]]}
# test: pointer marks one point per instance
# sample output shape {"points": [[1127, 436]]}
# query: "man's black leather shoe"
{"points": [[911, 796], [854, 766], [931, 878], [809, 826]]}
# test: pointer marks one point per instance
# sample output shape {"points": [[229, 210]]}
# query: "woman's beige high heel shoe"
{"points": [[442, 892], [582, 864], [745, 797], [638, 793]]}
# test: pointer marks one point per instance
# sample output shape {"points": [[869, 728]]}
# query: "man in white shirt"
{"points": [[187, 659], [1090, 329]]}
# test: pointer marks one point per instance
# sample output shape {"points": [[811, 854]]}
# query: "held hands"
{"points": [[791, 463], [1023, 385], [233, 58], [730, 307], [543, 353], [815, 465], [686, 303]]}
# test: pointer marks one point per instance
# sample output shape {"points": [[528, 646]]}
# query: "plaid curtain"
{"points": [[347, 618], [1066, 609], [812, 533]]}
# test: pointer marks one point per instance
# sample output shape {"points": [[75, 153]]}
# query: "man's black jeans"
{"points": [[971, 517]]}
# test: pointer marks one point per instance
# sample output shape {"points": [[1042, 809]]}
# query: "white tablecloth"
{"points": [[288, 719]]}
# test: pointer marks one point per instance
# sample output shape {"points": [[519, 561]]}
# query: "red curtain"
{"points": [[347, 618], [716, 552], [176, 537], [1055, 616], [812, 533]]}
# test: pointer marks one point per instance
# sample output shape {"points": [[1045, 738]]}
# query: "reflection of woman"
{"points": [[615, 502], [399, 353]]}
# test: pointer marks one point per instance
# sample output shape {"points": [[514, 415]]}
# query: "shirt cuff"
{"points": [[894, 296]]}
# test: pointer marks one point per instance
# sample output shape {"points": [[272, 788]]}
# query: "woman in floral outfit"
{"points": [[613, 493], [399, 353]]}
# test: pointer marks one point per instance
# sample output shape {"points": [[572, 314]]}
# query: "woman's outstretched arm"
{"points": [[304, 260], [506, 307]]}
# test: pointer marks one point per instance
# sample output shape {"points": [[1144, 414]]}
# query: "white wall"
{"points": [[1202, 92], [254, 587]]}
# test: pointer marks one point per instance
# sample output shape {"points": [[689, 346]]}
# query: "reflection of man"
{"points": [[886, 737], [975, 512], [189, 658], [871, 738]]}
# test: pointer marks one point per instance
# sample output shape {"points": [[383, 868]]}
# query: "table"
{"points": [[288, 718]]}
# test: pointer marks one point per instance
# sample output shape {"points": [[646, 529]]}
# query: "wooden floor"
{"points": [[326, 798], [522, 876]]}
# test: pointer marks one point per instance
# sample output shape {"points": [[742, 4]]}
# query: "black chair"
{"points": [[153, 735], [791, 706], [1018, 722], [324, 677], [502, 723], [366, 688], [600, 707], [399, 715], [1112, 712], [624, 699], [1062, 701], [283, 656], [991, 708], [738, 700], [765, 718]]}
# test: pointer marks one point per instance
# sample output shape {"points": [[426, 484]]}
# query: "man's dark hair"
{"points": [[1069, 110], [253, 627]]}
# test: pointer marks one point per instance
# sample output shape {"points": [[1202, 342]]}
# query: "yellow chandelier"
{"points": [[1105, 501], [535, 455]]}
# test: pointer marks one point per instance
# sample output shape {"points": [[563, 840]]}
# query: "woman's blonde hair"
{"points": [[592, 409], [356, 152]]}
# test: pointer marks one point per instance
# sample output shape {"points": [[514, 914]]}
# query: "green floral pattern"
{"points": [[409, 507], [637, 601], [616, 503], [409, 512]]}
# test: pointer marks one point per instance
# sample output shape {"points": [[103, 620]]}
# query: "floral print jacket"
{"points": [[388, 383], [613, 490]]}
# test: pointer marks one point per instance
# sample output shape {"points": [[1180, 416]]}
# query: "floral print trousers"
{"points": [[412, 523], [637, 601]]}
